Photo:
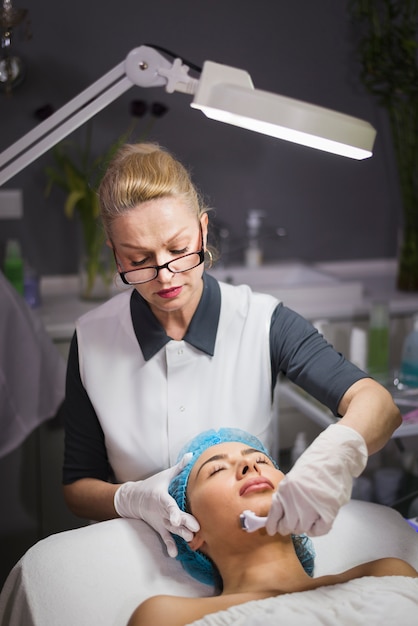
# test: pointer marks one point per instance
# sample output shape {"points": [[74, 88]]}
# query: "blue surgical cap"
{"points": [[195, 562]]}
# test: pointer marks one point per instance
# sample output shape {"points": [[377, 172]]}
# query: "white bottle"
{"points": [[408, 374], [253, 253]]}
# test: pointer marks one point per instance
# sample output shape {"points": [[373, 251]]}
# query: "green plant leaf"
{"points": [[71, 202], [78, 174]]}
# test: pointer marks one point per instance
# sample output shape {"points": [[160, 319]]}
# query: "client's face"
{"points": [[227, 479]]}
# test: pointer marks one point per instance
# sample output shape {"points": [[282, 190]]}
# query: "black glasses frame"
{"points": [[157, 268]]}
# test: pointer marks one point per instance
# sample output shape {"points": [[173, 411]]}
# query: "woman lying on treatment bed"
{"points": [[231, 471]]}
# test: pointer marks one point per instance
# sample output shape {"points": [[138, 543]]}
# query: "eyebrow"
{"points": [[219, 457], [167, 243]]}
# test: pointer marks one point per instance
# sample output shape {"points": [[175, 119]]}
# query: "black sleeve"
{"points": [[85, 453], [307, 359]]}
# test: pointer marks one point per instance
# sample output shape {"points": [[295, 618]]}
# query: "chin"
{"points": [[261, 503]]}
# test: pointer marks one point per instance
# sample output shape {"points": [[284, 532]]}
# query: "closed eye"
{"points": [[218, 467], [139, 263], [147, 261], [179, 252], [263, 459], [215, 469]]}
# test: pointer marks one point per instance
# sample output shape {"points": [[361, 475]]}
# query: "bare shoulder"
{"points": [[171, 611], [154, 610], [388, 566], [176, 611]]}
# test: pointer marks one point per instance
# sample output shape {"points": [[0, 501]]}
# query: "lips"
{"points": [[255, 485], [169, 293]]}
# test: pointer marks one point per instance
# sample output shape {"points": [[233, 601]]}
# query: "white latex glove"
{"points": [[310, 496], [149, 500]]}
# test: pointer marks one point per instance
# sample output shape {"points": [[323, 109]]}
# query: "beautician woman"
{"points": [[179, 352]]}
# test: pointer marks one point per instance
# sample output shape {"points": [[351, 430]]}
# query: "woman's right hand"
{"points": [[150, 501], [308, 499]]}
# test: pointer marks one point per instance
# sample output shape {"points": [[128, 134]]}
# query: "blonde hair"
{"points": [[142, 172]]}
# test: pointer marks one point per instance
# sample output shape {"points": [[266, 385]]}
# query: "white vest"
{"points": [[149, 409]]}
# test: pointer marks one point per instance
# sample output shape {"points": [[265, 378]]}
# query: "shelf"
{"points": [[322, 416]]}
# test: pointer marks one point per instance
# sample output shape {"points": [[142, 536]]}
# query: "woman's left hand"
{"points": [[149, 500], [310, 496]]}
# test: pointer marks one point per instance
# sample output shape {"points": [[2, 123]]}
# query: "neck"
{"points": [[271, 567], [176, 321]]}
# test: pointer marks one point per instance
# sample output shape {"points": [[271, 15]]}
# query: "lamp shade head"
{"points": [[226, 94]]}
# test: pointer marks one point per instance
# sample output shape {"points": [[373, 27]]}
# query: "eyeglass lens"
{"points": [[181, 264]]}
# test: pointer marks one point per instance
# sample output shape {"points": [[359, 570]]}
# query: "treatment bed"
{"points": [[98, 574]]}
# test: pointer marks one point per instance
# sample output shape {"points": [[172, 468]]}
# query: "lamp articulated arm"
{"points": [[222, 93], [144, 67]]}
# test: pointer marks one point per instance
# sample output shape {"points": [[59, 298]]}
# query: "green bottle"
{"points": [[13, 265], [409, 364]]}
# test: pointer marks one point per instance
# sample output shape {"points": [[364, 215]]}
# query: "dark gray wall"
{"points": [[331, 207]]}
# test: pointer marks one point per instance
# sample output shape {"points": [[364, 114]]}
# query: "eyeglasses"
{"points": [[176, 266]]}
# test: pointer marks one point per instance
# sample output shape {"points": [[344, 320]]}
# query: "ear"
{"points": [[197, 542], [204, 224]]}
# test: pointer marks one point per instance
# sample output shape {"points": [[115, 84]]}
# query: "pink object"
{"points": [[412, 416]]}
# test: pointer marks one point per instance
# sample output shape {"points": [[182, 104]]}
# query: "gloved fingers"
{"points": [[170, 544], [171, 472], [313, 526], [182, 532], [274, 516], [284, 521], [162, 480], [320, 527], [184, 461], [173, 513], [185, 529], [292, 510], [291, 523], [190, 522], [296, 511], [178, 518]]}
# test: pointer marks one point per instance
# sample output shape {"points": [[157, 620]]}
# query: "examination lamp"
{"points": [[222, 93]]}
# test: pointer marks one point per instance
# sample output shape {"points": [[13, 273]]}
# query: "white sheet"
{"points": [[367, 601], [97, 575]]}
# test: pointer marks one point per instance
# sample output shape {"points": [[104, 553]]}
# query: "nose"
{"points": [[164, 275], [246, 468]]}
